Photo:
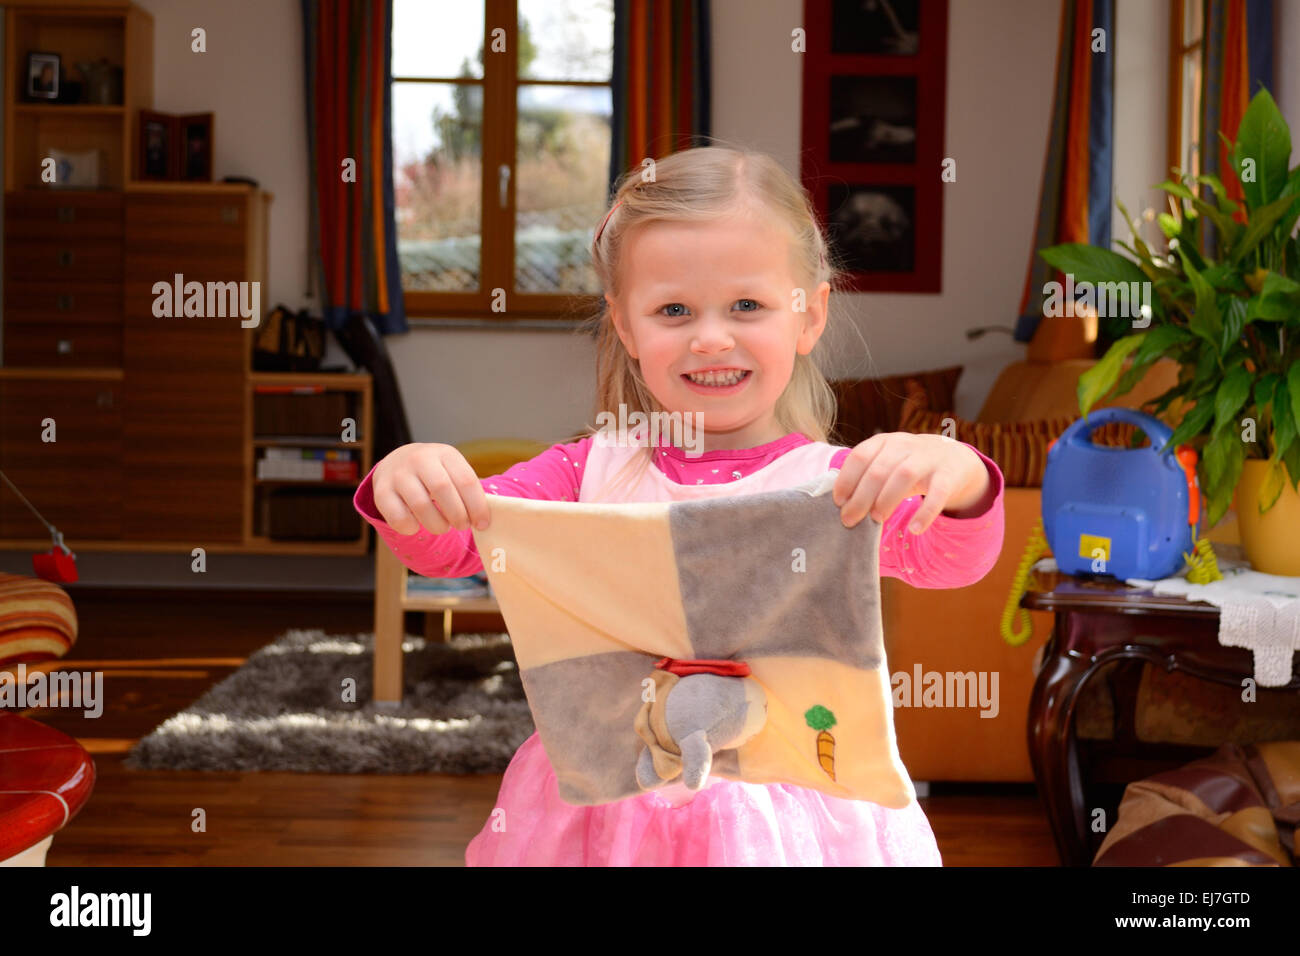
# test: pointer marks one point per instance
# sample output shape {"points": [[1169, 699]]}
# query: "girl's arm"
{"points": [[952, 552], [554, 475]]}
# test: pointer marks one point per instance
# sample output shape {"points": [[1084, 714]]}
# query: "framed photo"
{"points": [[43, 76], [196, 147], [157, 153], [872, 154], [878, 27], [873, 227]]}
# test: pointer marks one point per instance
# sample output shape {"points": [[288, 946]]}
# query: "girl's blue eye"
{"points": [[678, 315]]}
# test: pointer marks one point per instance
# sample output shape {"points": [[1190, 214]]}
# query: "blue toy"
{"points": [[1124, 512]]}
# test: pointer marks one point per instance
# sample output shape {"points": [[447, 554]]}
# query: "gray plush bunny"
{"points": [[703, 714]]}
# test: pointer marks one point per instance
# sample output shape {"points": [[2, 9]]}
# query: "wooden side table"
{"points": [[391, 602], [1098, 622]]}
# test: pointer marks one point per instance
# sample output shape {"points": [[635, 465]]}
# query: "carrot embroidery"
{"points": [[822, 720]]}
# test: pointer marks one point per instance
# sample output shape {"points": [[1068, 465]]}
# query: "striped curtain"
{"points": [[661, 79], [347, 52], [1236, 60], [1075, 199]]}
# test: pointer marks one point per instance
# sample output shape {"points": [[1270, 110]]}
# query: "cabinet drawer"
{"points": [[60, 344], [62, 215], [69, 302], [160, 220], [77, 260]]}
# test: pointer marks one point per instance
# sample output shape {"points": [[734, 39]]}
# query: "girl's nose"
{"points": [[711, 334]]}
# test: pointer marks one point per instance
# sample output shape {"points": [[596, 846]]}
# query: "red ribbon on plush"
{"points": [[723, 668]]}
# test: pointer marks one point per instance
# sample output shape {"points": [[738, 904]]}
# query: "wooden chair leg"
{"points": [[389, 625]]}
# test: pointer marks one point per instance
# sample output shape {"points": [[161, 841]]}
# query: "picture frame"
{"points": [[157, 152], [43, 75], [195, 147], [872, 153]]}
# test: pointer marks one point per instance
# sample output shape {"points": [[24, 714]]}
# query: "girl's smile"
{"points": [[718, 383]]}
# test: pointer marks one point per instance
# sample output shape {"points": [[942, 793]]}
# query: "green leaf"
{"points": [[1177, 189], [1090, 264], [1263, 394], [1284, 421], [1098, 380], [1215, 456], [1193, 422], [1292, 459], [1206, 321], [1226, 205], [1264, 137], [1234, 320], [1170, 226], [1224, 456], [1261, 223], [1230, 396], [1293, 390]]}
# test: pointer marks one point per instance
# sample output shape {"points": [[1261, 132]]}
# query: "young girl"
{"points": [[705, 270]]}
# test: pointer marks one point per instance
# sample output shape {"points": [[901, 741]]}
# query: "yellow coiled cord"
{"points": [[1204, 568], [1035, 548]]}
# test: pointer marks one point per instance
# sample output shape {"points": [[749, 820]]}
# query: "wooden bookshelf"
{"points": [[120, 33]]}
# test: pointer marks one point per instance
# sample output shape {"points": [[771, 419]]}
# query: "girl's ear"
{"points": [[624, 334], [814, 320]]}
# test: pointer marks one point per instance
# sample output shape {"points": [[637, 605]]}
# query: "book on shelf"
{"points": [[299, 469]]}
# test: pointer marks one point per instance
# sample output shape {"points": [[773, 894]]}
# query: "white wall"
{"points": [[462, 384]]}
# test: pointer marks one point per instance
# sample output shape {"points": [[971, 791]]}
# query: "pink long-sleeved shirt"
{"points": [[951, 553]]}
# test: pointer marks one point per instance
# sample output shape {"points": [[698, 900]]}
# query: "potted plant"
{"points": [[1225, 305]]}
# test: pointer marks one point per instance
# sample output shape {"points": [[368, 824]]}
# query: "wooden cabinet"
{"points": [[63, 279], [76, 478], [185, 395]]}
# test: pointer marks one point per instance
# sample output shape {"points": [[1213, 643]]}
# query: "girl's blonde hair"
{"points": [[704, 184]]}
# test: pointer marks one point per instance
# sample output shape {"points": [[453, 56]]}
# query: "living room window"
{"points": [[500, 158], [1186, 35]]}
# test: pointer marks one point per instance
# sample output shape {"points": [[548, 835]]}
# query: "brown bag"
{"points": [[1237, 807], [289, 342]]}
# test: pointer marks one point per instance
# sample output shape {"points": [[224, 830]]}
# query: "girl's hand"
{"points": [[886, 468], [411, 479]]}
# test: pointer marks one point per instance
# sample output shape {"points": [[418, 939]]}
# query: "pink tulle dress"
{"points": [[727, 823]]}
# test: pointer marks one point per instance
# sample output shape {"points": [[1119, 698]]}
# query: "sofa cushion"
{"points": [[866, 406], [1018, 448], [37, 620]]}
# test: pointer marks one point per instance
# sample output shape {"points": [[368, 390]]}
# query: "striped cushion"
{"points": [[1018, 448], [37, 619], [1237, 807], [869, 405]]}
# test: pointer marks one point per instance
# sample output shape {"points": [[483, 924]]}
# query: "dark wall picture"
{"points": [[872, 153], [882, 27], [873, 228], [873, 119]]}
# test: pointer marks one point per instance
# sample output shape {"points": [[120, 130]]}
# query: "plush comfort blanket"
{"points": [[607, 605]]}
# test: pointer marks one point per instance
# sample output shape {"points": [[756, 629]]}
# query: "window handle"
{"points": [[503, 179]]}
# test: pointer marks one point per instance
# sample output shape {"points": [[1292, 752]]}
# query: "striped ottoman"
{"points": [[37, 620], [1240, 806], [45, 778]]}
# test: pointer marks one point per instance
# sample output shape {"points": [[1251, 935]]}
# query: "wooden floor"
{"points": [[160, 652]]}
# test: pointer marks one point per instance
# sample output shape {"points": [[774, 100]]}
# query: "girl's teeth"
{"points": [[715, 378]]}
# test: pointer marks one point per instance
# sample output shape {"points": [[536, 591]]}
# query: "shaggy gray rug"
{"points": [[463, 710]]}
